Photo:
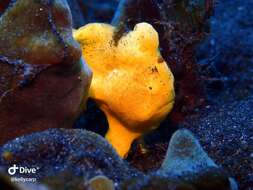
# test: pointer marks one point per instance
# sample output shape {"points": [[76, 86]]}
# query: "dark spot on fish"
{"points": [[160, 59], [154, 69]]}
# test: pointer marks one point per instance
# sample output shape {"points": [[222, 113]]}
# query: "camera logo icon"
{"points": [[22, 170], [12, 170]]}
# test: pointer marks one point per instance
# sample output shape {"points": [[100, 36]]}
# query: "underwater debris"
{"points": [[43, 80], [131, 82]]}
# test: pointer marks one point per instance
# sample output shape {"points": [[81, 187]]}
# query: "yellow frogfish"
{"points": [[131, 83]]}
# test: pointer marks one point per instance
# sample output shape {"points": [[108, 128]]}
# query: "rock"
{"points": [[67, 181], [185, 154], [95, 11], [226, 133], [77, 14], [43, 80], [186, 160], [155, 182], [32, 186], [66, 158], [186, 166], [79, 152], [101, 183], [5, 183]]}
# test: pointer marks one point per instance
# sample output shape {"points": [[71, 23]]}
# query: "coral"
{"points": [[45, 39], [75, 152], [185, 154], [84, 12], [132, 83], [43, 80], [75, 158], [186, 166], [186, 160], [101, 183]]}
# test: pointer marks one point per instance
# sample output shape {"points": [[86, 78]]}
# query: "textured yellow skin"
{"points": [[131, 82]]}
